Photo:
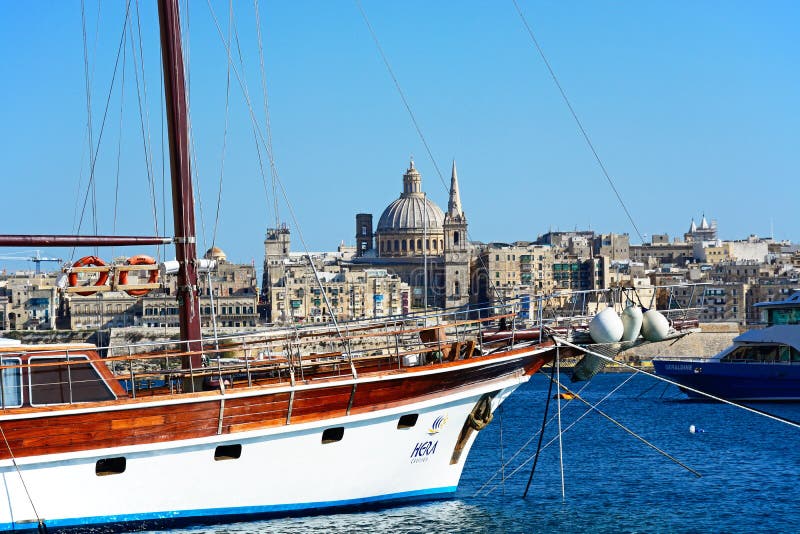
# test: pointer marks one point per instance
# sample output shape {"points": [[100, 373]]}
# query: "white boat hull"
{"points": [[281, 470]]}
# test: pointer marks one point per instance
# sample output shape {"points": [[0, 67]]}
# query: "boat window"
{"points": [[110, 466], [332, 435], [62, 384], [11, 383], [784, 316], [762, 354], [407, 421], [227, 452]]}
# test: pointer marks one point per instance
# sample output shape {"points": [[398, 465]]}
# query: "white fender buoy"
{"points": [[631, 322], [606, 327], [655, 326]]}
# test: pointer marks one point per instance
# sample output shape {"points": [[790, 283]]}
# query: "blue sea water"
{"points": [[612, 481]]}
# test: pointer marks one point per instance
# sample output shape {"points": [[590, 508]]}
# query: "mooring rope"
{"points": [[541, 433], [560, 430], [577, 120], [768, 415], [519, 451], [637, 436]]}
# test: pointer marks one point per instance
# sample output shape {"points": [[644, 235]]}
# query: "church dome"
{"points": [[411, 213], [413, 210], [215, 253]]}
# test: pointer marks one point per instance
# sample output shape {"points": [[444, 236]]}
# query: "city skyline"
{"points": [[691, 109]]}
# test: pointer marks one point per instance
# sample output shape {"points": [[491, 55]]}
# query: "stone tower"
{"points": [[364, 241], [276, 250], [456, 248]]}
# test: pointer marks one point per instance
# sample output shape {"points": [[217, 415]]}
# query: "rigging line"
{"points": [[119, 142], [519, 451], [270, 155], [227, 118], [162, 250], [500, 296], [96, 150], [145, 122], [400, 91], [768, 415], [577, 120], [89, 120], [192, 148], [19, 472], [267, 121], [640, 438], [186, 48], [560, 430], [541, 432], [246, 94], [196, 182], [502, 459]]}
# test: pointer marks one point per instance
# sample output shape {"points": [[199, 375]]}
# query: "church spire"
{"points": [[454, 204]]}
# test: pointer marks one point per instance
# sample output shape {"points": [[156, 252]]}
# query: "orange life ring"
{"points": [[139, 259], [83, 262]]}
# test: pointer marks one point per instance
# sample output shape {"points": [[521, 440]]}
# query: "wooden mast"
{"points": [[182, 197]]}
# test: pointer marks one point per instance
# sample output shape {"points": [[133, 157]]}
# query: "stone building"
{"points": [[105, 309], [28, 301], [305, 297], [704, 232], [415, 240], [615, 247], [230, 291], [578, 243], [503, 271], [657, 253]]}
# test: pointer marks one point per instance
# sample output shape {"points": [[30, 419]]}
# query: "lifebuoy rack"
{"points": [[117, 274]]}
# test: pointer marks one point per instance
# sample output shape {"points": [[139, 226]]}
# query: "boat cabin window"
{"points": [[11, 383], [783, 316], [59, 383], [763, 354]]}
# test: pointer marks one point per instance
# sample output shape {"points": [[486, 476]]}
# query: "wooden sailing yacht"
{"points": [[296, 421]]}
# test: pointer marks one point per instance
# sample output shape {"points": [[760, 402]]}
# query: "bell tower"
{"points": [[364, 241], [457, 251]]}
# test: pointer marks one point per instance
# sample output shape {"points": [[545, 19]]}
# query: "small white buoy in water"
{"points": [[631, 322], [655, 326], [606, 327]]}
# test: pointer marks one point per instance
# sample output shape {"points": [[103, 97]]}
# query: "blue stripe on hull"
{"points": [[735, 381], [245, 512]]}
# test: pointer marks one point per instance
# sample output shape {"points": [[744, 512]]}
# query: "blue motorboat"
{"points": [[762, 364]]}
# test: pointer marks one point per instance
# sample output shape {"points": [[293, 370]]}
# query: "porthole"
{"points": [[332, 435], [227, 452], [407, 421], [110, 466]]}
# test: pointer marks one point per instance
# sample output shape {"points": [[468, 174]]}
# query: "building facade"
{"points": [[415, 240]]}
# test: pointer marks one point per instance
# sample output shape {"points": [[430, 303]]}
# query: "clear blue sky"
{"points": [[694, 107]]}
